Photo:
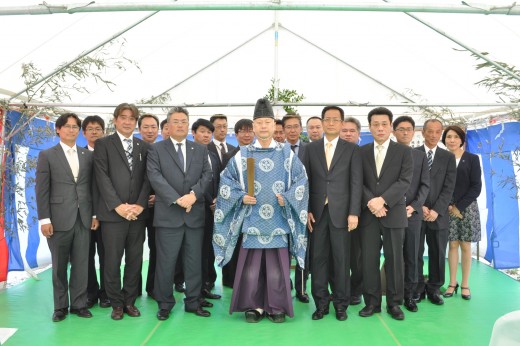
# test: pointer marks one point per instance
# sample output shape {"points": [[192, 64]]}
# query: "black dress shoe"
{"points": [[319, 313], [395, 312], [410, 305], [83, 312], [207, 294], [303, 297], [200, 312], [341, 315], [59, 315], [104, 303], [163, 314], [253, 316], [205, 304], [355, 300], [276, 318], [180, 288], [91, 302], [435, 298], [369, 310], [416, 297], [117, 313]]}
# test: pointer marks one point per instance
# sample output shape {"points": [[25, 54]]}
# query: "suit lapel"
{"points": [[116, 141], [340, 146], [321, 154], [64, 161], [81, 160], [390, 153], [173, 153], [372, 159], [136, 153], [190, 149]]}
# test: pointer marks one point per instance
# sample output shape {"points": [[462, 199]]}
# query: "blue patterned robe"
{"points": [[265, 224]]}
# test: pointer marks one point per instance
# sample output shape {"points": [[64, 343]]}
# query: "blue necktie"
{"points": [[430, 159], [181, 156]]}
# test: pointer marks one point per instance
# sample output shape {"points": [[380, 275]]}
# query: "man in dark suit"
{"points": [[279, 134], [93, 128], [120, 167], [202, 130], [180, 173], [64, 202], [148, 125], [335, 186], [245, 136], [387, 174], [350, 132], [219, 145], [404, 129], [443, 173], [292, 126]]}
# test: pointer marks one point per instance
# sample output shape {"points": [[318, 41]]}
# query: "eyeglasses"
{"points": [[71, 127], [332, 120], [404, 129], [94, 129], [179, 122], [292, 127], [245, 131]]}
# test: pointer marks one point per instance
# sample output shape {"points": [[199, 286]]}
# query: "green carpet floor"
{"points": [[28, 307]]}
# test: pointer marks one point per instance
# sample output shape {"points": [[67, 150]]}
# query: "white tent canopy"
{"points": [[331, 57]]}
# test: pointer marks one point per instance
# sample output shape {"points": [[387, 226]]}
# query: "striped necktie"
{"points": [[430, 159]]}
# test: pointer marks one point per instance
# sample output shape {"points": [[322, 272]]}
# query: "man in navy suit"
{"points": [[202, 131], [218, 145], [404, 129], [124, 190], [443, 173], [387, 174], [64, 200], [292, 126], [93, 128], [179, 172]]}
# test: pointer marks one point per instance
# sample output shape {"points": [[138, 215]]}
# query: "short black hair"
{"points": [[92, 119], [380, 111], [313, 117], [64, 118], [147, 116], [243, 124], [355, 122], [327, 108], [402, 119], [164, 122], [202, 122], [278, 122], [458, 130], [217, 116]]}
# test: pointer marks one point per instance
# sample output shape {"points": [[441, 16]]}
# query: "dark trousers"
{"points": [[412, 237], [150, 276], [95, 289], [229, 270], [330, 244], [169, 242], [437, 240], [125, 237], [393, 239], [209, 274], [356, 267], [65, 246]]}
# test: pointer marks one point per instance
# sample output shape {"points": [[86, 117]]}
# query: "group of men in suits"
{"points": [[383, 194]]}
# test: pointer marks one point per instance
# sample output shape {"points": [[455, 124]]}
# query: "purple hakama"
{"points": [[262, 280]]}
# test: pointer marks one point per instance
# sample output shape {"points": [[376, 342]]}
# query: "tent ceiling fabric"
{"points": [[392, 48]]}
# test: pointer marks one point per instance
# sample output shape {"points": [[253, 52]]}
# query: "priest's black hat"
{"points": [[263, 109]]}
